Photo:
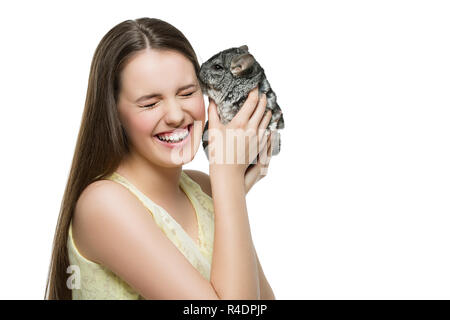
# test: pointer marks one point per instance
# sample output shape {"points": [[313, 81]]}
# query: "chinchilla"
{"points": [[227, 78]]}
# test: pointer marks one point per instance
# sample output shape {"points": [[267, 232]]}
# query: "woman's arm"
{"points": [[234, 270], [204, 182]]}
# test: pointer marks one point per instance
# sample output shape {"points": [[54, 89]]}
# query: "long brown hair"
{"points": [[102, 142]]}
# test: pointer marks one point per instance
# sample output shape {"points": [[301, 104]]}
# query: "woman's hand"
{"points": [[257, 171], [248, 126]]}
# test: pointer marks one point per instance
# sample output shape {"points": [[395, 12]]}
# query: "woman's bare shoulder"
{"points": [[100, 192], [97, 203], [202, 179]]}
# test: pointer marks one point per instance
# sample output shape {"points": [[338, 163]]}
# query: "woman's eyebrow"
{"points": [[149, 96]]}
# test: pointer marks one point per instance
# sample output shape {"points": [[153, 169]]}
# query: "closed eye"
{"points": [[184, 95], [150, 105]]}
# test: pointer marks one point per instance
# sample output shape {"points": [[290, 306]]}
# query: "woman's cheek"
{"points": [[144, 125], [199, 108]]}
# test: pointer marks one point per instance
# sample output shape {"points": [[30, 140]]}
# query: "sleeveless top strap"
{"points": [[205, 212]]}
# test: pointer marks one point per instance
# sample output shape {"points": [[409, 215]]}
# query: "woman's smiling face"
{"points": [[160, 93]]}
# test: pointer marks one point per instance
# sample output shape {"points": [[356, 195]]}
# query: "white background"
{"points": [[357, 204]]}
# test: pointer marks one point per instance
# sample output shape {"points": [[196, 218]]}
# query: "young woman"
{"points": [[133, 224]]}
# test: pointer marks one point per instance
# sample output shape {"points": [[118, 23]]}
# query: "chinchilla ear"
{"points": [[244, 47], [242, 64]]}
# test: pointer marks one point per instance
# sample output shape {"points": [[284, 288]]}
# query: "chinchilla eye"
{"points": [[218, 67]]}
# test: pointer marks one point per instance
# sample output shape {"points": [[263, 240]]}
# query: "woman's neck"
{"points": [[158, 182]]}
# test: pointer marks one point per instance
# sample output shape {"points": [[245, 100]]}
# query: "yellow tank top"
{"points": [[98, 282]]}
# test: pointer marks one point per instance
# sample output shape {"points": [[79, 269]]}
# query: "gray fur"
{"points": [[230, 85]]}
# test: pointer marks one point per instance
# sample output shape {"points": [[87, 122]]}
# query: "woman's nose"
{"points": [[174, 113]]}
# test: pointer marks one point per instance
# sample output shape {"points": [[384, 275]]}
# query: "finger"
{"points": [[269, 147], [255, 171], [262, 156], [268, 150], [251, 176], [263, 162], [264, 123], [213, 117], [263, 140], [260, 168], [253, 148], [265, 120], [256, 117], [263, 170], [248, 107]]}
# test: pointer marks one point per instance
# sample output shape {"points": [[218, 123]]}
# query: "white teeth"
{"points": [[175, 137]]}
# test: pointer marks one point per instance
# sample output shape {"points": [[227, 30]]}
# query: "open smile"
{"points": [[175, 140]]}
